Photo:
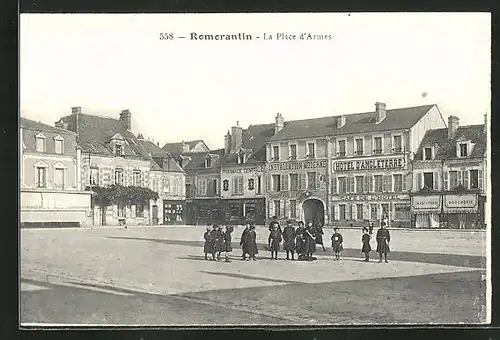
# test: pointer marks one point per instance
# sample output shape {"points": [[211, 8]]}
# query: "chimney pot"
{"points": [[453, 122], [279, 123], [380, 111], [236, 137], [340, 121], [126, 118], [76, 109]]}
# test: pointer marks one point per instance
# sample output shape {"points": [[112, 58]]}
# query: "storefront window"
{"points": [[402, 212]]}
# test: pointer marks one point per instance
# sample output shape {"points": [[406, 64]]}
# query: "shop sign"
{"points": [[466, 201], [370, 164], [242, 170], [374, 197], [297, 165], [463, 165], [430, 202], [284, 194]]}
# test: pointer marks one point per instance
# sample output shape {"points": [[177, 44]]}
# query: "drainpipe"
{"points": [[327, 180], [442, 191]]}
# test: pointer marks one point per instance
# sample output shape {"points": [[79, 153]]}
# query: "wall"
{"points": [[431, 120], [247, 172], [28, 175], [320, 149]]}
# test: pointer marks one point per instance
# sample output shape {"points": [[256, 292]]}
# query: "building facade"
{"points": [[50, 184], [347, 169], [450, 178]]}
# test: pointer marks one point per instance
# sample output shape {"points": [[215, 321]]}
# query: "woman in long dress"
{"points": [[383, 239], [366, 248]]}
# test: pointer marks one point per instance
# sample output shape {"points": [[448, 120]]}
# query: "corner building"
{"points": [[347, 170]]}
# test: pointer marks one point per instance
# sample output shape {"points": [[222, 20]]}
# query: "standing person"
{"points": [[370, 228], [250, 245], [273, 221], [337, 241], [243, 241], [365, 239], [310, 241], [319, 236], [217, 242], [276, 239], [383, 239], [301, 241], [209, 243], [227, 248], [289, 240]]}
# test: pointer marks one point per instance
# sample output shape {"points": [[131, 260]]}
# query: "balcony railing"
{"points": [[377, 151]]}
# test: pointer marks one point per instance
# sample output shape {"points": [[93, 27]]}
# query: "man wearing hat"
{"points": [[383, 238], [289, 240]]}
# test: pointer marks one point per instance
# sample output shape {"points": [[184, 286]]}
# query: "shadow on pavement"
{"points": [[241, 276], [468, 261]]}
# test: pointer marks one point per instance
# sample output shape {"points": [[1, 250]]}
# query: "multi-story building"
{"points": [[51, 193], [111, 154], [347, 169], [450, 177], [167, 178], [242, 174], [181, 151]]}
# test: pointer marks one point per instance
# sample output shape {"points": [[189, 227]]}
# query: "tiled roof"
{"points": [[445, 148], [95, 132], [402, 118], [158, 154], [197, 161], [32, 125], [176, 148], [253, 144]]}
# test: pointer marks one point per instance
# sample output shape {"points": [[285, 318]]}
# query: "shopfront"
{"points": [[203, 212], [174, 212], [462, 211], [239, 211], [426, 210]]}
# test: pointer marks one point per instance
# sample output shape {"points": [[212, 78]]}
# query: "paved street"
{"points": [[158, 276]]}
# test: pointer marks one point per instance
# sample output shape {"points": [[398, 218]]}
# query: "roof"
{"points": [[32, 125], [254, 140], [176, 148], [95, 132], [159, 157], [197, 161], [402, 118], [445, 148]]}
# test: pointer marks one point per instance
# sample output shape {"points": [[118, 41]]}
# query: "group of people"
{"points": [[301, 241]]}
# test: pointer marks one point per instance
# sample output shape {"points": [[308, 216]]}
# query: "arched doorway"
{"points": [[314, 211]]}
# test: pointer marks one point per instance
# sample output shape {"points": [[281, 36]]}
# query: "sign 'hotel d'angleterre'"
{"points": [[370, 164]]}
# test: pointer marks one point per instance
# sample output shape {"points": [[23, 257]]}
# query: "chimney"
{"points": [[340, 121], [279, 122], [158, 144], [185, 161], [453, 122], [227, 143], [76, 109], [380, 111], [185, 147], [140, 136], [236, 137], [61, 125], [126, 118]]}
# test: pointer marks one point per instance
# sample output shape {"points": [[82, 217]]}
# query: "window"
{"points": [[359, 146], [137, 178], [341, 151], [311, 181], [453, 179], [342, 212], [208, 163], [377, 143], [398, 183], [251, 184], [202, 187], [474, 179], [166, 185], [463, 150], [241, 158], [311, 152], [94, 176], [139, 210], [41, 177], [259, 184], [238, 185], [427, 154], [293, 209], [276, 153], [397, 145], [378, 187], [359, 211], [277, 211], [59, 178], [359, 184], [294, 182], [58, 145], [429, 180], [368, 183], [216, 186], [225, 185], [118, 150], [189, 193], [40, 143], [118, 176], [121, 210], [342, 185], [402, 212], [276, 182], [293, 151]]}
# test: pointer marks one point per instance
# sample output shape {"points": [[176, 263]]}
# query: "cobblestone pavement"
{"points": [[144, 267]]}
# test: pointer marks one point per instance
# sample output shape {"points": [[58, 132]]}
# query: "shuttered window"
{"points": [[334, 185], [311, 181], [284, 182]]}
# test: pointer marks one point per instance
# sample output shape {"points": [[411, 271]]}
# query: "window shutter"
{"points": [[284, 182], [334, 185], [352, 183], [370, 183], [336, 212], [303, 184], [353, 211], [403, 182], [366, 211], [367, 183], [408, 180], [459, 176], [446, 181], [284, 208], [270, 206], [240, 185], [317, 181], [466, 179], [436, 180], [419, 181], [480, 179], [385, 186], [100, 177], [268, 183], [297, 210]]}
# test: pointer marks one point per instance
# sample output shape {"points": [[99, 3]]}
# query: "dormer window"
{"points": [[241, 158], [58, 145], [40, 143], [428, 154], [463, 150], [118, 150], [208, 162]]}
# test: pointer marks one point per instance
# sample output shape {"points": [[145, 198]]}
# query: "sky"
{"points": [[183, 89]]}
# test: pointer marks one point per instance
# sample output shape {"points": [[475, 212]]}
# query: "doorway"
{"points": [[314, 211]]}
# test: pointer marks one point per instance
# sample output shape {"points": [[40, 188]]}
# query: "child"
{"points": [[289, 240], [217, 242], [250, 245], [207, 248], [300, 241], [226, 235], [276, 238], [365, 239], [337, 243]]}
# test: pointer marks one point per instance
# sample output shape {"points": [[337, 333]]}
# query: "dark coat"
{"points": [[209, 242], [337, 241], [250, 243], [276, 238], [218, 240], [227, 240], [366, 243], [383, 238], [319, 235], [310, 235], [300, 241], [289, 238], [243, 236]]}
